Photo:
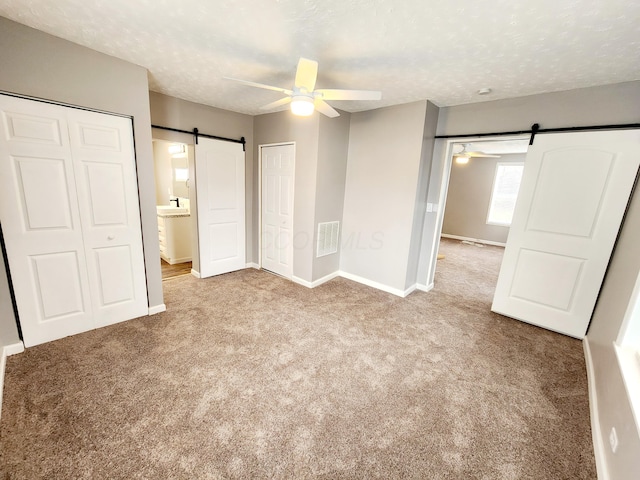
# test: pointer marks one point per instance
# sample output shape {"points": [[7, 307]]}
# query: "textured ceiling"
{"points": [[411, 50]]}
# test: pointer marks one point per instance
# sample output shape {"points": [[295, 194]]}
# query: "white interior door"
{"points": [[573, 195], [278, 163], [102, 147], [221, 206], [66, 280]]}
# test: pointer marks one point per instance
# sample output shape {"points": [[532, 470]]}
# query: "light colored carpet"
{"points": [[248, 375]]}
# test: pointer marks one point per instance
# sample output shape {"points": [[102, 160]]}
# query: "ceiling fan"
{"points": [[304, 98], [463, 156]]}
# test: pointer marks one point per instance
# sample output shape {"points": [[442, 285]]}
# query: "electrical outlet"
{"points": [[613, 439]]}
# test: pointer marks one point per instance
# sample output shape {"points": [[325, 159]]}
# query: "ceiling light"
{"points": [[302, 105], [462, 160]]}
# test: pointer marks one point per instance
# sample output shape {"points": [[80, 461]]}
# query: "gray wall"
{"points": [[588, 106], [333, 147], [420, 211], [176, 113], [385, 147], [281, 127], [8, 330], [468, 199], [40, 65]]}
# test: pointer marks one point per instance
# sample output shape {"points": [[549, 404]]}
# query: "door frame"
{"points": [[446, 145], [293, 195]]}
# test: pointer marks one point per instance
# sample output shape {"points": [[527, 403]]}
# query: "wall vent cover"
{"points": [[327, 238]]}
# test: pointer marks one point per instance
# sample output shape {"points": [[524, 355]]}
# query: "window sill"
{"points": [[629, 361]]}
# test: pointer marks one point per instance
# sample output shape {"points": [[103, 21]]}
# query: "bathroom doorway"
{"points": [[176, 225]]}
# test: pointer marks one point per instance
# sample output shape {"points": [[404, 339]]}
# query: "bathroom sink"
{"points": [[170, 209]]}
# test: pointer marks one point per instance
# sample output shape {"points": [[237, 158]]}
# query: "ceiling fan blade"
{"points": [[337, 94], [306, 74], [481, 155], [277, 103], [325, 109], [260, 85]]}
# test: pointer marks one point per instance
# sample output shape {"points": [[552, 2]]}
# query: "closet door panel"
{"points": [[104, 162], [41, 221]]}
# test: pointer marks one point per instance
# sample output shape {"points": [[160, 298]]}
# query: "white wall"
{"points": [[611, 104], [606, 323], [383, 167], [37, 64]]}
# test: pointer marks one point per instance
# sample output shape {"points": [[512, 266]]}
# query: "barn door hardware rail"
{"points": [[535, 129], [196, 133]]}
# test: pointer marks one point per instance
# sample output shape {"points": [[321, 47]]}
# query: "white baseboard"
{"points": [[424, 288], [475, 240], [253, 265], [14, 349], [379, 286], [315, 283], [596, 433], [195, 273], [157, 309], [7, 351]]}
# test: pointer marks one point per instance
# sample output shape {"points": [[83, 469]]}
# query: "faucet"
{"points": [[177, 200]]}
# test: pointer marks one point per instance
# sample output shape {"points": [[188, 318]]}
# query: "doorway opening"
{"points": [[176, 225], [480, 184]]}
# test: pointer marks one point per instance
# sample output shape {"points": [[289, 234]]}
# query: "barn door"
{"points": [[573, 195], [221, 206]]}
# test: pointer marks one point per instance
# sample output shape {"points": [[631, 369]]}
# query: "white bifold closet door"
{"points": [[70, 217]]}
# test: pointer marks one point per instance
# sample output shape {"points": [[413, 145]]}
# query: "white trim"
{"points": [[253, 265], [315, 283], [476, 240], [424, 288], [629, 363], [7, 351], [195, 273], [379, 286], [596, 434], [157, 309]]}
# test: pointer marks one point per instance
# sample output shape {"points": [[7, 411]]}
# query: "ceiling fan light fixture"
{"points": [[462, 159], [302, 105]]}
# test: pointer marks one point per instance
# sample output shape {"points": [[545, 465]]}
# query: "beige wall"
{"points": [[608, 104], [383, 167], [468, 199], [37, 64], [282, 127]]}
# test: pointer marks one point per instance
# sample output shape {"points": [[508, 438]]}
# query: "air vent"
{"points": [[327, 238]]}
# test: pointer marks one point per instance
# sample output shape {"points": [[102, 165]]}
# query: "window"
{"points": [[504, 194]]}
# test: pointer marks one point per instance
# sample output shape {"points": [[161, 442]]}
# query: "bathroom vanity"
{"points": [[174, 233]]}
